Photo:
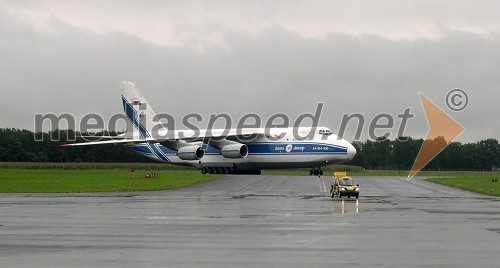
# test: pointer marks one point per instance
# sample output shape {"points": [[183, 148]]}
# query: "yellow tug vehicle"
{"points": [[343, 185]]}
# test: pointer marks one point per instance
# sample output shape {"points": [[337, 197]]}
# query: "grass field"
{"points": [[90, 165], [114, 177], [77, 181], [475, 182]]}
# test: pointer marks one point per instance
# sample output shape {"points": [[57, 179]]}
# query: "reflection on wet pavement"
{"points": [[263, 221]]}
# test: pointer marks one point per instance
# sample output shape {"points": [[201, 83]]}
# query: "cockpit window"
{"points": [[325, 132]]}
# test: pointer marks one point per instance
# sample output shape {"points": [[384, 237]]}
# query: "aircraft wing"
{"points": [[116, 137], [187, 135], [107, 142], [227, 133]]}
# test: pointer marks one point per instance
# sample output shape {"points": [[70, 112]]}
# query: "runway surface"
{"points": [[258, 221]]}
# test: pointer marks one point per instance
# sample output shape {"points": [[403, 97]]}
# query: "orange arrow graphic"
{"points": [[442, 130]]}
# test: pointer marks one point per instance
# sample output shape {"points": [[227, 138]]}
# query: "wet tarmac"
{"points": [[258, 221]]}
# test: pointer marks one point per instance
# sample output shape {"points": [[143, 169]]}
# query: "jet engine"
{"points": [[192, 152], [236, 150]]}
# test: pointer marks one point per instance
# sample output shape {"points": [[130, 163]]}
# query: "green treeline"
{"points": [[401, 153], [20, 146]]}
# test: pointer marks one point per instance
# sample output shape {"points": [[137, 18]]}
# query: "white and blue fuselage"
{"points": [[226, 150], [263, 153]]}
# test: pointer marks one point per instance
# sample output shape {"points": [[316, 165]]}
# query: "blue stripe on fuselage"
{"points": [[157, 152], [280, 148], [256, 148], [152, 149], [295, 148]]}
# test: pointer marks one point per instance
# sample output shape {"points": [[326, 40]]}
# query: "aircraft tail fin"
{"points": [[137, 109]]}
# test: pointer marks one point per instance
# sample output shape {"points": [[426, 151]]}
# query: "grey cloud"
{"points": [[77, 71]]}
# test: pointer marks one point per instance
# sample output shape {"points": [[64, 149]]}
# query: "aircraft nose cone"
{"points": [[351, 151]]}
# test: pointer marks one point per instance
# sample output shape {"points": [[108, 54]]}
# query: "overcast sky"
{"points": [[263, 57]]}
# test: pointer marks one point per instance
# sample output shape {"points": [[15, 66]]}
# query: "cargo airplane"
{"points": [[227, 150]]}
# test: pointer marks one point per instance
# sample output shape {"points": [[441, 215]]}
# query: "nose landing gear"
{"points": [[316, 172]]}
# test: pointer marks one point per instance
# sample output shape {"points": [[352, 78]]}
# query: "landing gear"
{"points": [[316, 172], [228, 170], [216, 170]]}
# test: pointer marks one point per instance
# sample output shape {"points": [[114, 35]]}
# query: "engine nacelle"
{"points": [[193, 152], [237, 150]]}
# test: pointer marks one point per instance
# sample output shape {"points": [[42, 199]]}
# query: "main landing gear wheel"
{"points": [[316, 172]]}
